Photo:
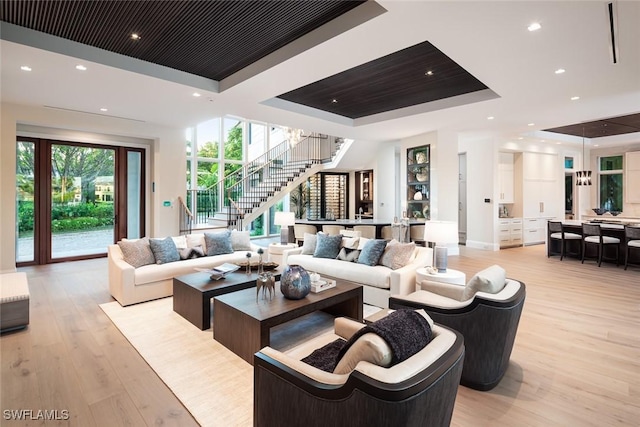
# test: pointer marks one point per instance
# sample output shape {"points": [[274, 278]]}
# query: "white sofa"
{"points": [[380, 282], [129, 285]]}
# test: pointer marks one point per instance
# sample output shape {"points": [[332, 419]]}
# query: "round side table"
{"points": [[451, 276], [276, 249]]}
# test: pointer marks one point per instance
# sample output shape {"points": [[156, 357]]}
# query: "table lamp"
{"points": [[440, 233], [284, 220]]}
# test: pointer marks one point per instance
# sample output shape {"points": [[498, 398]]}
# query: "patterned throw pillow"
{"points": [[309, 244], [137, 252], [350, 255], [164, 250], [397, 255], [328, 246], [218, 243], [240, 240], [189, 253], [372, 251]]}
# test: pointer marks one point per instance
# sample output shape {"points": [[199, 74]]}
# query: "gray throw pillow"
{"points": [[309, 244], [240, 240], [137, 252], [218, 243], [397, 255], [372, 251], [328, 246], [164, 250], [350, 255]]}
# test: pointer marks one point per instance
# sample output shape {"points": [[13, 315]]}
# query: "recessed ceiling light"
{"points": [[520, 138], [534, 26], [104, 109], [530, 124], [596, 145], [334, 101], [575, 98], [135, 36], [558, 143], [542, 140], [560, 71], [196, 94], [25, 68], [429, 73], [490, 118], [81, 67]]}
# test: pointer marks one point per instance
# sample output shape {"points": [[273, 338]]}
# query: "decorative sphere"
{"points": [[295, 282]]}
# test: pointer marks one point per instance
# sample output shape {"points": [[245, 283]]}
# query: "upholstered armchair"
{"points": [[418, 391], [486, 312]]}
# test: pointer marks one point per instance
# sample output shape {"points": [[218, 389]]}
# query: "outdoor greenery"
{"points": [[68, 217], [74, 173]]}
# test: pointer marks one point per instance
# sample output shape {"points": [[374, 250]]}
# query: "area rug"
{"points": [[214, 384]]}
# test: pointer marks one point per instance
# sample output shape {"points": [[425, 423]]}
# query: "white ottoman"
{"points": [[14, 301]]}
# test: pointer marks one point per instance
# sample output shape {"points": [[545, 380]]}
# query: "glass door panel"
{"points": [[134, 194], [25, 201], [82, 200]]}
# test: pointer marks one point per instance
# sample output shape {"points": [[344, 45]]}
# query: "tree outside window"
{"points": [[610, 183]]}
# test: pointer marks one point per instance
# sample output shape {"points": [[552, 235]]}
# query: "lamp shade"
{"points": [[443, 232], [284, 219]]}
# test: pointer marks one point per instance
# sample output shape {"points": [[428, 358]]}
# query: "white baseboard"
{"points": [[483, 245]]}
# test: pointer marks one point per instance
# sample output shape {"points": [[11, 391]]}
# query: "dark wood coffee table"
{"points": [[242, 323], [192, 293]]}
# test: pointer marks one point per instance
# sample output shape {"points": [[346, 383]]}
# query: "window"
{"points": [[610, 183]]}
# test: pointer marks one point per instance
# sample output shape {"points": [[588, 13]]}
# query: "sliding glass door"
{"points": [[71, 196]]}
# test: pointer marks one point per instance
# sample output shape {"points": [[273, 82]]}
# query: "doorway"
{"points": [[462, 198], [75, 199]]}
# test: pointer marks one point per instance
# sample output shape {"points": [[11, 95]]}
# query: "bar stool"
{"points": [[416, 234], [368, 231], [300, 229], [592, 234], [332, 229], [386, 233], [556, 232], [632, 238]]}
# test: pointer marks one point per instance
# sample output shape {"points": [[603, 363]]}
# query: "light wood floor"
{"points": [[576, 359]]}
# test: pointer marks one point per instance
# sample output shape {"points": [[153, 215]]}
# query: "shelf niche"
{"points": [[364, 193], [419, 182]]}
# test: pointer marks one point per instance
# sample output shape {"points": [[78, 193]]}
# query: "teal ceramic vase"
{"points": [[295, 282]]}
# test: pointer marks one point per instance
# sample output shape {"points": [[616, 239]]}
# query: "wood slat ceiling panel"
{"points": [[603, 127], [212, 39], [394, 81]]}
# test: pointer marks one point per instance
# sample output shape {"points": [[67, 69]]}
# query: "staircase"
{"points": [[253, 189]]}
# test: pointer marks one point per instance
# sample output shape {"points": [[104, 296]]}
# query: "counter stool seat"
{"points": [[592, 234], [556, 232], [632, 236]]}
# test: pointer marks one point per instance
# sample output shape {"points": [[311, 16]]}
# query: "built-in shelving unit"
{"points": [[364, 193], [418, 182]]}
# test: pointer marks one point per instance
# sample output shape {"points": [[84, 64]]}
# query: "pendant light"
{"points": [[583, 177]]}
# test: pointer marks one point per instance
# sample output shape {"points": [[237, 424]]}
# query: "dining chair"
{"points": [[368, 231], [632, 240], [555, 232], [592, 235], [332, 229]]}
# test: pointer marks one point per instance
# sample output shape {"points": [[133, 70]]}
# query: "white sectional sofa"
{"points": [[380, 281], [131, 285]]}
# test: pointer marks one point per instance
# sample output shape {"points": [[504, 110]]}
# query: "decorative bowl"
{"points": [[599, 211], [615, 213]]}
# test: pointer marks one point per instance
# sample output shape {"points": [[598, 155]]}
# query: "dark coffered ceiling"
{"points": [[212, 39], [412, 76], [603, 127]]}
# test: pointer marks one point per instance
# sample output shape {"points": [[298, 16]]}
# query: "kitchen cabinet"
{"points": [[632, 177], [506, 178], [418, 182], [534, 230], [510, 230]]}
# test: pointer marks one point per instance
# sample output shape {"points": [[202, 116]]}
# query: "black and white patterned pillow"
{"points": [[350, 255]]}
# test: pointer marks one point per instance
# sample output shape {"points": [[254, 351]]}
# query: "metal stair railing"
{"points": [[257, 181]]}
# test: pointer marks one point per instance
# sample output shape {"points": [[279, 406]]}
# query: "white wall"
{"points": [[166, 146], [385, 192], [481, 184]]}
